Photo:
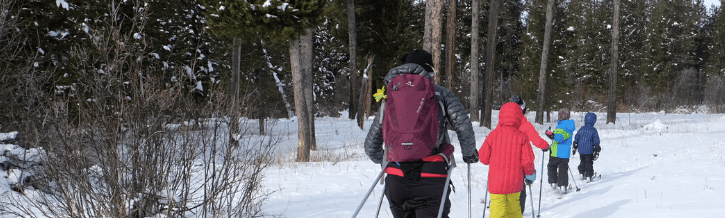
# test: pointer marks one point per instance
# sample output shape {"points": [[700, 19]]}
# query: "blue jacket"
{"points": [[587, 136], [561, 145]]}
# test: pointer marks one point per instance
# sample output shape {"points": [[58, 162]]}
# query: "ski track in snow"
{"points": [[684, 179], [674, 170]]}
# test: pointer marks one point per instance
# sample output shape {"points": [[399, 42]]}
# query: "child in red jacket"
{"points": [[507, 152]]}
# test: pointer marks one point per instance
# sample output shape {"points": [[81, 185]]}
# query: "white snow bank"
{"points": [[657, 125], [8, 136]]}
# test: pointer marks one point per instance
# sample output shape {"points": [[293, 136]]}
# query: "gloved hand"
{"points": [[596, 155], [545, 149], [573, 152], [530, 178], [550, 134], [472, 158], [597, 148]]}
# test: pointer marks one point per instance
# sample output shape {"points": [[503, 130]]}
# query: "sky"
{"points": [[709, 3]]}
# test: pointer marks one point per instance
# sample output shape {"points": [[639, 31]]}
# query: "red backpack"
{"points": [[410, 121]]}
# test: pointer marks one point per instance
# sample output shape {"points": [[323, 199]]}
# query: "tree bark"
{"points": [[475, 7], [234, 86], [363, 98], [612, 102], [451, 42], [433, 33], [369, 93], [352, 35], [306, 61], [303, 143], [262, 116], [490, 61], [541, 98]]}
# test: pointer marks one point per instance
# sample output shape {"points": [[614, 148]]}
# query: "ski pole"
{"points": [[532, 202], [380, 204], [372, 187], [573, 179], [445, 192], [541, 186], [485, 199], [469, 190]]}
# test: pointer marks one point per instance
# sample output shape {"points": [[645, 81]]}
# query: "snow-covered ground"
{"points": [[652, 165]]}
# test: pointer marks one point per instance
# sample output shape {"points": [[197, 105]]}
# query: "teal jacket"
{"points": [[561, 145]]}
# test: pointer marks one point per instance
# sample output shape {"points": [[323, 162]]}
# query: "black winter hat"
{"points": [[516, 99], [420, 57]]}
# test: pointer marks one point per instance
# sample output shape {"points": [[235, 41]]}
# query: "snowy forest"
{"points": [[135, 108]]}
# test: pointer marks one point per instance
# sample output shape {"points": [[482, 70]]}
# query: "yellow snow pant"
{"points": [[506, 206]]}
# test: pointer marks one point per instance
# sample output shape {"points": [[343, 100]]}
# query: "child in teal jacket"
{"points": [[561, 145]]}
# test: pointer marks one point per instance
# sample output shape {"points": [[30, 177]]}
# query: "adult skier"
{"points": [[414, 188]]}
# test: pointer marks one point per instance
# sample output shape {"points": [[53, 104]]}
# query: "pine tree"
{"points": [[281, 20], [715, 85], [532, 40], [716, 66], [386, 29], [634, 35], [509, 47]]}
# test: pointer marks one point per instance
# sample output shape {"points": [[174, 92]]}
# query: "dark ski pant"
{"points": [[522, 198], [557, 169], [416, 199], [586, 166]]}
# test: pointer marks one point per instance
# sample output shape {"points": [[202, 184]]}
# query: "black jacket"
{"points": [[455, 114]]}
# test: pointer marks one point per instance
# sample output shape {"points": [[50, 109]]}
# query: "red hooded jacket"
{"points": [[507, 152], [534, 136]]}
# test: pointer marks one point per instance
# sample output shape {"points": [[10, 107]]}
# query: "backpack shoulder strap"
{"points": [[440, 103]]}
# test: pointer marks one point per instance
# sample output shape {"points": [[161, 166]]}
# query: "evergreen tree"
{"points": [[716, 63], [532, 41], [280, 20], [632, 40], [670, 45], [715, 67], [509, 47], [387, 29]]}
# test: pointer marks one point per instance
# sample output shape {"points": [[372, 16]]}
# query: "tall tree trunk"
{"points": [[262, 116], [306, 60], [475, 7], [234, 86], [451, 42], [612, 102], [433, 33], [541, 98], [303, 143], [490, 61], [352, 35], [363, 91], [369, 93]]}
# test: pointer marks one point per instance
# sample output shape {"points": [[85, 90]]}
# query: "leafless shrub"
{"points": [[687, 88], [714, 93], [121, 144]]}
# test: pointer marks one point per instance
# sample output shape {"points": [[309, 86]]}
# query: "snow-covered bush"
{"points": [[123, 143]]}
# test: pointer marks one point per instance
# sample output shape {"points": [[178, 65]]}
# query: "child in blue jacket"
{"points": [[587, 142], [559, 162]]}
